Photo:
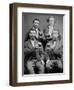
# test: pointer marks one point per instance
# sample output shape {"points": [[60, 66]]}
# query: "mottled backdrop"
{"points": [[27, 23]]}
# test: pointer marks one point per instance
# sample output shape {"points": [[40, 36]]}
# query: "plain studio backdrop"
{"points": [[4, 46]]}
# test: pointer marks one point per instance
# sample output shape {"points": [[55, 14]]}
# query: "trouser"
{"points": [[34, 63]]}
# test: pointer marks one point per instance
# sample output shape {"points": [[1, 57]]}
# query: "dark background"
{"points": [[27, 23]]}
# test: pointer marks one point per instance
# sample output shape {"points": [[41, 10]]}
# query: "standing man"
{"points": [[48, 30], [39, 33], [50, 26]]}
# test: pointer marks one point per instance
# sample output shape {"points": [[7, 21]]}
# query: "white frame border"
{"points": [[43, 77]]}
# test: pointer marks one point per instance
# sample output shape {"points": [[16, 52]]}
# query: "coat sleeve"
{"points": [[28, 50]]}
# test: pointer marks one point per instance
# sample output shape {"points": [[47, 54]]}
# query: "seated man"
{"points": [[31, 51], [54, 61], [49, 56]]}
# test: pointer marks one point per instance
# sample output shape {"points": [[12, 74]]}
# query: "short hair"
{"points": [[31, 29], [36, 19], [50, 17], [27, 35]]}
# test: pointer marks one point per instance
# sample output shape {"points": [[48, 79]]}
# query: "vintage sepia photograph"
{"points": [[42, 43]]}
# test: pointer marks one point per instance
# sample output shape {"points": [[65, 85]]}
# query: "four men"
{"points": [[41, 50]]}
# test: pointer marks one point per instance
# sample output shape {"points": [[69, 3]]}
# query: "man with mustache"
{"points": [[33, 60]]}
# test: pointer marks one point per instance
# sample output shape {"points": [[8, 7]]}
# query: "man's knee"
{"points": [[60, 65], [49, 65], [40, 66], [30, 67]]}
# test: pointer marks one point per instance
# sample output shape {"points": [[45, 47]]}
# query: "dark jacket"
{"points": [[30, 52]]}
